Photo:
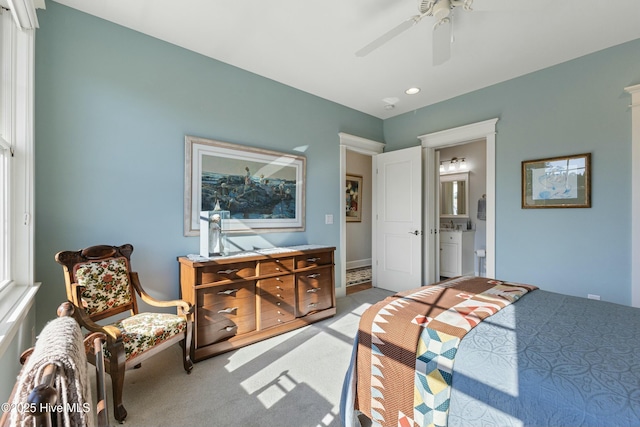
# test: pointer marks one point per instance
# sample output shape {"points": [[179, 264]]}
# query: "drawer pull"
{"points": [[228, 292], [313, 304], [229, 271], [313, 276], [228, 328], [228, 310], [312, 259], [312, 290]]}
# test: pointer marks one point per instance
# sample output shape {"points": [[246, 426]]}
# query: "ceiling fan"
{"points": [[442, 11]]}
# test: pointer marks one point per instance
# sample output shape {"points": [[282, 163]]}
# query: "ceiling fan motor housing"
{"points": [[441, 10]]}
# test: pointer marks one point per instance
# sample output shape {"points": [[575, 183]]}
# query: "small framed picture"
{"points": [[354, 198], [557, 182]]}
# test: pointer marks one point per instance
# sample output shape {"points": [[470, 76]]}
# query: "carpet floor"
{"points": [[292, 380]]}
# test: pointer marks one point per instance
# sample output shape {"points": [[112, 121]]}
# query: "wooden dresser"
{"points": [[249, 296]]}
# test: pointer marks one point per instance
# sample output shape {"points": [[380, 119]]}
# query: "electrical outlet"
{"points": [[592, 296]]}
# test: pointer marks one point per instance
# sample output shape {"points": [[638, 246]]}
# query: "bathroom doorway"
{"points": [[464, 209]]}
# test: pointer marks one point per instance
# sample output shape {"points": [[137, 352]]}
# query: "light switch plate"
{"points": [[328, 219]]}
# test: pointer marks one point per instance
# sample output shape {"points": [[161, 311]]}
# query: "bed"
{"points": [[536, 359]]}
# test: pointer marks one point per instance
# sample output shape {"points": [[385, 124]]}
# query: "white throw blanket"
{"points": [[60, 343]]}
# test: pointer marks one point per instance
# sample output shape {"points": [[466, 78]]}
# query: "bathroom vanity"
{"points": [[456, 253]]}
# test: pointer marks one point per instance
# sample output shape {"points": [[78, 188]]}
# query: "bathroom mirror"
{"points": [[454, 195]]}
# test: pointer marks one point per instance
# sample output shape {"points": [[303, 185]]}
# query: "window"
{"points": [[5, 235], [17, 49], [17, 287]]}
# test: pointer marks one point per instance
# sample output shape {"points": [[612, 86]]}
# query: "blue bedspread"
{"points": [[548, 360]]}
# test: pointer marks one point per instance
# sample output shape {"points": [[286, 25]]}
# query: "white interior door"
{"points": [[399, 219]]}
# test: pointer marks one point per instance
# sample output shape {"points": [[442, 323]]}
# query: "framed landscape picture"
{"points": [[263, 190], [557, 182]]}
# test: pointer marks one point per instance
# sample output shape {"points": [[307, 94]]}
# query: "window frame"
{"points": [[17, 65]]}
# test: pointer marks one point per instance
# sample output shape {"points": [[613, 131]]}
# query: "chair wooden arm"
{"points": [[81, 316], [183, 305]]}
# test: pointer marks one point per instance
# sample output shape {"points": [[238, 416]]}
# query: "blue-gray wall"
{"points": [[576, 107], [112, 109]]}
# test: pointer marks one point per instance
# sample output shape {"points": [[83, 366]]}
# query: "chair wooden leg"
{"points": [[186, 350], [116, 372], [186, 359]]}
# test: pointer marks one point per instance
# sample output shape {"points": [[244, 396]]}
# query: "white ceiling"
{"points": [[311, 46]]}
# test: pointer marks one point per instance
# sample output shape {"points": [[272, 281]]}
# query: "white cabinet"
{"points": [[456, 253]]}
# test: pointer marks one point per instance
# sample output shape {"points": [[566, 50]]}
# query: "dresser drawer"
{"points": [[276, 317], [314, 260], [277, 300], [214, 331], [243, 319], [219, 273], [314, 290], [226, 294], [274, 266], [236, 302], [282, 285]]}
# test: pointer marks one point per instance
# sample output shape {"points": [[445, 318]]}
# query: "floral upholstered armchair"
{"points": [[100, 283]]}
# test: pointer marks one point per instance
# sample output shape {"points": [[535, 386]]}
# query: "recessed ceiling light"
{"points": [[412, 90]]}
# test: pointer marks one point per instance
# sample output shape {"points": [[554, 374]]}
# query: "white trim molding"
{"points": [[461, 135], [363, 146], [635, 193], [17, 128]]}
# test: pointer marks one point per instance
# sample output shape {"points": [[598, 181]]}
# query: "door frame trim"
{"points": [[462, 135], [363, 146]]}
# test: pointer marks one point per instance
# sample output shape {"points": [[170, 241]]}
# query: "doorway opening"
{"points": [[486, 131], [462, 212], [361, 151], [359, 221]]}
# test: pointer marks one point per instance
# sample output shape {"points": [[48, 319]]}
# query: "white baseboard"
{"points": [[358, 263]]}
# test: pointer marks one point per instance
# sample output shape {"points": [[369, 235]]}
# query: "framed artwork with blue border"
{"points": [[557, 182]]}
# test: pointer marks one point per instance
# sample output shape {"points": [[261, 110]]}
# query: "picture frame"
{"points": [[353, 194], [263, 190], [557, 182]]}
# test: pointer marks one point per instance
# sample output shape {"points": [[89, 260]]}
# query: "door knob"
{"points": [[416, 232]]}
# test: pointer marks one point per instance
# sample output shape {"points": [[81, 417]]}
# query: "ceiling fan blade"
{"points": [[442, 42], [399, 29]]}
